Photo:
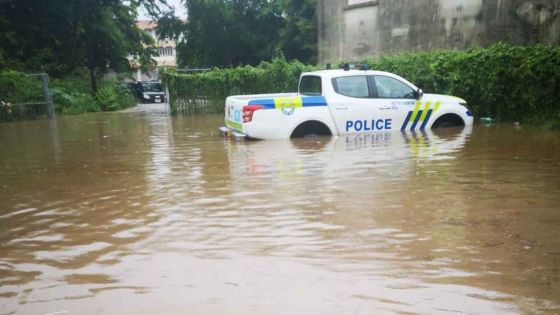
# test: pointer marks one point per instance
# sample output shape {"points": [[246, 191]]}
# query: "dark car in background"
{"points": [[148, 91], [134, 89]]}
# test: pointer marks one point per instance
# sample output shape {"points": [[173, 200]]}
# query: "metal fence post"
{"points": [[167, 99], [47, 94]]}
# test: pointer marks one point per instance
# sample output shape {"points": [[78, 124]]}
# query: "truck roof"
{"points": [[329, 74], [340, 72]]}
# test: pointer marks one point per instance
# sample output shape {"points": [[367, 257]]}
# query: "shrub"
{"points": [[17, 87], [72, 95], [114, 96], [73, 102], [511, 83], [216, 85]]}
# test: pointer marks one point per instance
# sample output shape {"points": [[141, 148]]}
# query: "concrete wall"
{"points": [[355, 29]]}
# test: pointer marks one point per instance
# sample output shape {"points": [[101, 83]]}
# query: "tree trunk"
{"points": [[93, 81], [87, 11]]}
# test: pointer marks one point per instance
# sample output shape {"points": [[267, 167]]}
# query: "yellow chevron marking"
{"points": [[425, 111], [436, 107], [415, 112]]}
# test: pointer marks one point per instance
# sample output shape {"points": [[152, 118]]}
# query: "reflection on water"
{"points": [[138, 212]]}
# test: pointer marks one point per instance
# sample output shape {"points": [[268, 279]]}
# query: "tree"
{"points": [[108, 36], [298, 38], [60, 36], [225, 32], [36, 35], [234, 32]]}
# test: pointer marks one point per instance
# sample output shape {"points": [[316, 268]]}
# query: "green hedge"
{"points": [[511, 83], [216, 85]]}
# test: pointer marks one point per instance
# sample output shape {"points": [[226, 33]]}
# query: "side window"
{"points": [[354, 86], [310, 85], [388, 87]]}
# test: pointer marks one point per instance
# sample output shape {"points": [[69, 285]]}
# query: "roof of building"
{"points": [[146, 24]]}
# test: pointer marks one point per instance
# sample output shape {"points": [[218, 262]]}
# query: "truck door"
{"points": [[355, 108], [397, 102]]}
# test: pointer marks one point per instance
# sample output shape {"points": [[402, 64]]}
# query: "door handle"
{"points": [[341, 107], [385, 107]]}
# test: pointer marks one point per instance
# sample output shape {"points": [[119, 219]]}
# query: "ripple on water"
{"points": [[154, 210], [69, 255]]}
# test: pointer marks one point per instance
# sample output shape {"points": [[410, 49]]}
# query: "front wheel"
{"points": [[447, 121]]}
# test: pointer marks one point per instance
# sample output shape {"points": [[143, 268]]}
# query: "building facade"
{"points": [[166, 49], [357, 29]]}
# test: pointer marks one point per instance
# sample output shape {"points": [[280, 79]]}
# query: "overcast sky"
{"points": [[179, 10]]}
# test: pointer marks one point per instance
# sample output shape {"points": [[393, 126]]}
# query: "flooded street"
{"points": [[141, 213]]}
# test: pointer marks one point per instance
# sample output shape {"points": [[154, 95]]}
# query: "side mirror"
{"points": [[419, 93]]}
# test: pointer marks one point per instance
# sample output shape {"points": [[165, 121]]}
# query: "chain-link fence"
{"points": [[24, 96], [193, 102]]}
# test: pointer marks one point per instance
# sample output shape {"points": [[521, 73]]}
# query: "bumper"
{"points": [[232, 134], [154, 99]]}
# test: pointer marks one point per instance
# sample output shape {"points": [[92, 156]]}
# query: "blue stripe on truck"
{"points": [[268, 103], [314, 101]]}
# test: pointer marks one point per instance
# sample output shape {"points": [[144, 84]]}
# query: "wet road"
{"points": [[140, 213]]}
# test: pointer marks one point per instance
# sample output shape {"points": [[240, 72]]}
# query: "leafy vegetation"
{"points": [[60, 36], [71, 95], [93, 37], [225, 33], [216, 85], [298, 37], [17, 87], [511, 83]]}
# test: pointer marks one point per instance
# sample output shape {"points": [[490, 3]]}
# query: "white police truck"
{"points": [[338, 102]]}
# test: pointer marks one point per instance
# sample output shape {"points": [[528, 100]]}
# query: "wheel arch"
{"points": [[449, 120]]}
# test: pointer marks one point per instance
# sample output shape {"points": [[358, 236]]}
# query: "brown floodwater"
{"points": [[141, 213]]}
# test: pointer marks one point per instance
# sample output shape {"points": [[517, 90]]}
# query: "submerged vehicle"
{"points": [[339, 102]]}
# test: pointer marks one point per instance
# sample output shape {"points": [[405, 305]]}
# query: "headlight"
{"points": [[146, 96], [469, 112]]}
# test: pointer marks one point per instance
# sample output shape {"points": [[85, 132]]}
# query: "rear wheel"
{"points": [[311, 129]]}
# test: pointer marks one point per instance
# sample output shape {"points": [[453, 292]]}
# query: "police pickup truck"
{"points": [[338, 102]]}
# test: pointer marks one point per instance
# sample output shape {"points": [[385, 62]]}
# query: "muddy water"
{"points": [[139, 213]]}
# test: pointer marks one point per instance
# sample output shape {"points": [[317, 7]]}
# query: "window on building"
{"points": [[353, 86], [388, 87], [165, 51]]}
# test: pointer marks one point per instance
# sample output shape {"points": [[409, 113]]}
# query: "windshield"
{"points": [[152, 87]]}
